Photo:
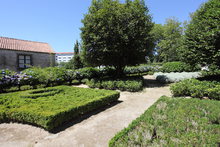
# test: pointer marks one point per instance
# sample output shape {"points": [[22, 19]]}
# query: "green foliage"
{"points": [[132, 84], [51, 111], [116, 34], [170, 40], [49, 76], [202, 36], [178, 67], [40, 93], [197, 89], [173, 122], [77, 63], [145, 69]]}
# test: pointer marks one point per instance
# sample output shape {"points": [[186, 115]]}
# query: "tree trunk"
{"points": [[119, 71]]}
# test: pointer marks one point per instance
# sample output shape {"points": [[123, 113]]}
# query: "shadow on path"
{"points": [[151, 83], [79, 119]]}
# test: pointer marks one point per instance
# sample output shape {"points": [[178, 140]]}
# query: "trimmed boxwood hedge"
{"points": [[51, 111], [178, 67], [40, 93], [174, 122], [132, 84], [197, 89]]}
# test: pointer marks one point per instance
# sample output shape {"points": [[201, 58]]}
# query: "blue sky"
{"points": [[57, 22]]}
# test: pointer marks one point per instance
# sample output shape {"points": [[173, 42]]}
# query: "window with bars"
{"points": [[24, 61]]}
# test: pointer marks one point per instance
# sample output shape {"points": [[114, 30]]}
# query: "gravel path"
{"points": [[95, 129]]}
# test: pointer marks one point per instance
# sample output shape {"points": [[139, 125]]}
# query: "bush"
{"points": [[50, 112], [175, 77], [142, 69], [196, 88], [178, 67], [40, 93], [173, 122], [132, 84]]}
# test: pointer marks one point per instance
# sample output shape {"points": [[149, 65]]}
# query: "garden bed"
{"points": [[50, 107], [132, 84], [174, 122]]}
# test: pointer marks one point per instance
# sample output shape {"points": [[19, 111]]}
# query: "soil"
{"points": [[93, 129]]}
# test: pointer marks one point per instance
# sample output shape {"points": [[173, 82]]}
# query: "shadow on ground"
{"points": [[151, 83], [79, 119]]}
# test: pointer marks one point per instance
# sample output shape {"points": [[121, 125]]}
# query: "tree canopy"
{"points": [[116, 34], [168, 39], [202, 36]]}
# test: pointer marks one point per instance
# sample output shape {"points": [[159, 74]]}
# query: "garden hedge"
{"points": [[174, 122], [178, 67], [50, 112], [132, 84], [196, 88]]}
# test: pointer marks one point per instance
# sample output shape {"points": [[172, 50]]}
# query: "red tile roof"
{"points": [[24, 45]]}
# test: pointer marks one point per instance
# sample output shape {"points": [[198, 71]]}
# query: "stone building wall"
{"points": [[9, 59]]}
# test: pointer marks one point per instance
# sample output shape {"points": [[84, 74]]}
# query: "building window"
{"points": [[24, 61]]}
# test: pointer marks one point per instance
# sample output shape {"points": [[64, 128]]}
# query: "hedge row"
{"points": [[142, 69], [173, 122], [196, 88], [51, 111], [132, 84], [178, 67]]}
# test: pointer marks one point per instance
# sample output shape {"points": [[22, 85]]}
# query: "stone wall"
{"points": [[9, 59]]}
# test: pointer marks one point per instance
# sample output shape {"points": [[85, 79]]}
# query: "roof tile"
{"points": [[24, 45]]}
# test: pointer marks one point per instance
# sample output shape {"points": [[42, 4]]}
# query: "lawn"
{"points": [[174, 122], [50, 107]]}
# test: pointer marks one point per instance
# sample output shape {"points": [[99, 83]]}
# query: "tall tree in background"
{"points": [[116, 34], [170, 40], [76, 61], [157, 36], [202, 36]]}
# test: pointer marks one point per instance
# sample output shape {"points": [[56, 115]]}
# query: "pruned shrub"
{"points": [[178, 67], [173, 122], [132, 84], [197, 89], [53, 110]]}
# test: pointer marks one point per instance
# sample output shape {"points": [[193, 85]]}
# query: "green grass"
{"points": [[51, 111], [174, 122]]}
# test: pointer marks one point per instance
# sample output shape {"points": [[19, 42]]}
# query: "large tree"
{"points": [[170, 40], [116, 34], [202, 36]]}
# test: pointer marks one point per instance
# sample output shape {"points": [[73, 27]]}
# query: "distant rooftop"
{"points": [[24, 45], [65, 53]]}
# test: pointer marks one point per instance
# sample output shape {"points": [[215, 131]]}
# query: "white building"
{"points": [[64, 56]]}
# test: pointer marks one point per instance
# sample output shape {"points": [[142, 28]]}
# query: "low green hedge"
{"points": [[51, 111], [41, 93], [174, 122], [132, 84], [196, 88], [177, 67]]}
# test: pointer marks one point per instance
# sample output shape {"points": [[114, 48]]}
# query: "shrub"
{"points": [[40, 93], [132, 84], [178, 67], [50, 112], [173, 122], [175, 77], [196, 88], [141, 69]]}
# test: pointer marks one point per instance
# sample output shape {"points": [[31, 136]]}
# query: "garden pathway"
{"points": [[95, 129]]}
